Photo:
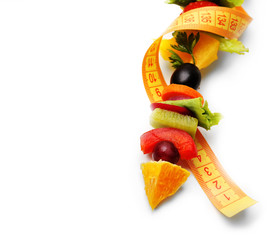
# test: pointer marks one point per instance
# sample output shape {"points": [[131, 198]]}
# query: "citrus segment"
{"points": [[205, 51], [162, 179]]}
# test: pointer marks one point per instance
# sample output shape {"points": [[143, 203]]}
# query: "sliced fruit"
{"points": [[205, 117], [162, 179], [177, 91], [194, 5], [181, 140], [173, 108], [205, 51], [162, 118]]}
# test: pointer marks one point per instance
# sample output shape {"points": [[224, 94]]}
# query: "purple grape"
{"points": [[187, 74], [166, 151]]}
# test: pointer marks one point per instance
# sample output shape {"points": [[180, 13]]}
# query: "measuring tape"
{"points": [[225, 195]]}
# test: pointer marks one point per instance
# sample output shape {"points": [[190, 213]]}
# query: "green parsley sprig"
{"points": [[184, 44]]}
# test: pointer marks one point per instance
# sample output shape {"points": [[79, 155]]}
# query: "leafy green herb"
{"points": [[181, 3], [185, 44], [175, 59]]}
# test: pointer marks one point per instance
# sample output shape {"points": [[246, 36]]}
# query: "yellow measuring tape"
{"points": [[225, 195]]}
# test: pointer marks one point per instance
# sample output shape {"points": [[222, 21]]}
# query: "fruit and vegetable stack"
{"points": [[178, 109]]}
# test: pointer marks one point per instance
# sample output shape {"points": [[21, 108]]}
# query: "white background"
{"points": [[72, 109]]}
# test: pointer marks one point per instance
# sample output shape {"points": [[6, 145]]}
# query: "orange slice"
{"points": [[175, 90], [205, 51], [162, 179]]}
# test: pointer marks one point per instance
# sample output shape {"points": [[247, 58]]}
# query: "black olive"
{"points": [[187, 74]]}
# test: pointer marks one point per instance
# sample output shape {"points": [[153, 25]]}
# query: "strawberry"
{"points": [[200, 4]]}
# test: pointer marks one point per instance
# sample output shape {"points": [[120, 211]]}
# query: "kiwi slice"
{"points": [[164, 118]]}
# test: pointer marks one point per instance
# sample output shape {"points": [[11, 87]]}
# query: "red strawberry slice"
{"points": [[200, 4]]}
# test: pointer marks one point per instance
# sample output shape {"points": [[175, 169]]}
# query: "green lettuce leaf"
{"points": [[224, 3], [206, 118], [229, 45], [232, 46]]}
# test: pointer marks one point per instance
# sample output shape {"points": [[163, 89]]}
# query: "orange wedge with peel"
{"points": [[162, 179]]}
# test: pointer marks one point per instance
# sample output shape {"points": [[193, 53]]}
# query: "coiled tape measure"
{"points": [[225, 195]]}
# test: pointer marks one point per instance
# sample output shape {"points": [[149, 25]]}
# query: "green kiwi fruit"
{"points": [[164, 118]]}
